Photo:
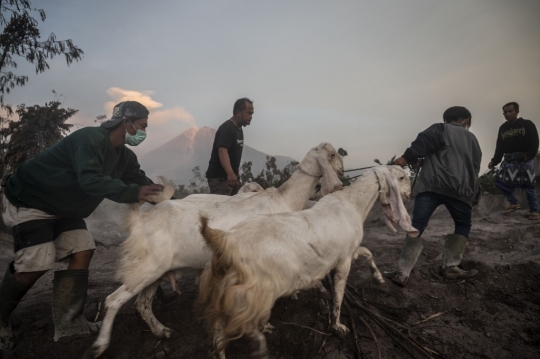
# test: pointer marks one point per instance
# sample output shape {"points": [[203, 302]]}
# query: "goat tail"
{"points": [[236, 301], [214, 238]]}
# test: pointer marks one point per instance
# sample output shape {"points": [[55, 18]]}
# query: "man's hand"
{"points": [[233, 180], [400, 162], [491, 165], [146, 192]]}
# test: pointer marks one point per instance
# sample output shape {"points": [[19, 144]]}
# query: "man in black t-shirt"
{"points": [[222, 173], [517, 145]]}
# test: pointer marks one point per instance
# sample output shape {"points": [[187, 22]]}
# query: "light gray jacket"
{"points": [[451, 164]]}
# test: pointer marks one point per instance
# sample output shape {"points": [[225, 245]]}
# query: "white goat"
{"points": [[273, 255], [167, 237], [246, 191]]}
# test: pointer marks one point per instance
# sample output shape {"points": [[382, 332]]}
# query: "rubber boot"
{"points": [[69, 297], [454, 246], [409, 255], [11, 292]]}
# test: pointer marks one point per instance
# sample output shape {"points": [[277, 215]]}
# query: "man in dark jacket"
{"points": [[45, 202], [449, 177], [517, 143], [223, 169]]}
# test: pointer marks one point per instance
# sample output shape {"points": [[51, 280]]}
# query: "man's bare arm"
{"points": [[226, 164]]}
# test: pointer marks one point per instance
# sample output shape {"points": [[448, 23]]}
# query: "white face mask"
{"points": [[137, 138]]}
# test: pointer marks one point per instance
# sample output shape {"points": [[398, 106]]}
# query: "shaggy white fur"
{"points": [[274, 255]]}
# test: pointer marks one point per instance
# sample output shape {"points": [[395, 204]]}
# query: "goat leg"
{"points": [[143, 304], [340, 280], [258, 345], [112, 304], [366, 253]]}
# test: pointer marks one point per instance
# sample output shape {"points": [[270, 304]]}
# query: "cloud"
{"points": [[164, 123], [171, 114], [157, 117], [120, 95]]}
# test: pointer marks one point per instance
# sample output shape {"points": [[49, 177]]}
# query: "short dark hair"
{"points": [[240, 104], [455, 113], [515, 104]]}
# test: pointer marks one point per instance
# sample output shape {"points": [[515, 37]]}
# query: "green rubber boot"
{"points": [[454, 246], [409, 255], [11, 292], [69, 297]]}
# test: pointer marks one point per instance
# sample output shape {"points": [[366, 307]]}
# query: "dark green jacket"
{"points": [[71, 178]]}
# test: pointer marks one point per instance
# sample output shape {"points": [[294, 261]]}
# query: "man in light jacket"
{"points": [[449, 177]]}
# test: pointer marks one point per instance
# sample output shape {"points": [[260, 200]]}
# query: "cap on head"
{"points": [[127, 109]]}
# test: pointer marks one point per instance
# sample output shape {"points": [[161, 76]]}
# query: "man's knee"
{"points": [[81, 260]]}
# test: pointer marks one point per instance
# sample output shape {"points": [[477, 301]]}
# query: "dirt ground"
{"points": [[495, 315]]}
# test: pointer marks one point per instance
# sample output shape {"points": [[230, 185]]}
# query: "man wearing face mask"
{"points": [[45, 202], [223, 169], [449, 177]]}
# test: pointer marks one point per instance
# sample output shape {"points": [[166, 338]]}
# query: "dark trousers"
{"points": [[427, 202], [532, 198], [221, 186]]}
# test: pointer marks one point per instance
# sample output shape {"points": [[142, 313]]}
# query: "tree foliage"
{"points": [[21, 38], [198, 183], [270, 176], [38, 128], [487, 182]]}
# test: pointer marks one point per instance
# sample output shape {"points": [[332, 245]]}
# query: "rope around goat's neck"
{"points": [[378, 181], [309, 174]]}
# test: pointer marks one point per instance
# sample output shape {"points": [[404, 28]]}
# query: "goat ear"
{"points": [[392, 204], [330, 182]]}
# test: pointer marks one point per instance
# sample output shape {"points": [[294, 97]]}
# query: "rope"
{"points": [[416, 172], [350, 178], [358, 169]]}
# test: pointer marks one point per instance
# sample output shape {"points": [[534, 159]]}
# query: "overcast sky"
{"points": [[363, 75]]}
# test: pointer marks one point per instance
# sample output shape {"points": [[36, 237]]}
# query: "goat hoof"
{"points": [[167, 333], [268, 328], [340, 330], [93, 352]]}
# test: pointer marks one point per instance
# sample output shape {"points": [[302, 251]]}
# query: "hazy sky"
{"points": [[363, 75]]}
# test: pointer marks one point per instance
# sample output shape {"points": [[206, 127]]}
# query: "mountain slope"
{"points": [[176, 158]]}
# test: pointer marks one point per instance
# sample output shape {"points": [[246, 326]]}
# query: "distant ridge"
{"points": [[176, 158]]}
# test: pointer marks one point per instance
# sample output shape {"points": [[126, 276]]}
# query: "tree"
{"points": [[21, 37], [198, 183], [38, 128], [271, 177], [246, 175]]}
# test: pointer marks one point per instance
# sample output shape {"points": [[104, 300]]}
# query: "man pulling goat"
{"points": [[449, 177]]}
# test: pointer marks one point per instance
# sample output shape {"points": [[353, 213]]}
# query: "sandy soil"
{"points": [[495, 315]]}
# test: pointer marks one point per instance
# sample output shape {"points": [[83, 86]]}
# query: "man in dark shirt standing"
{"points": [[222, 173], [517, 144]]}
